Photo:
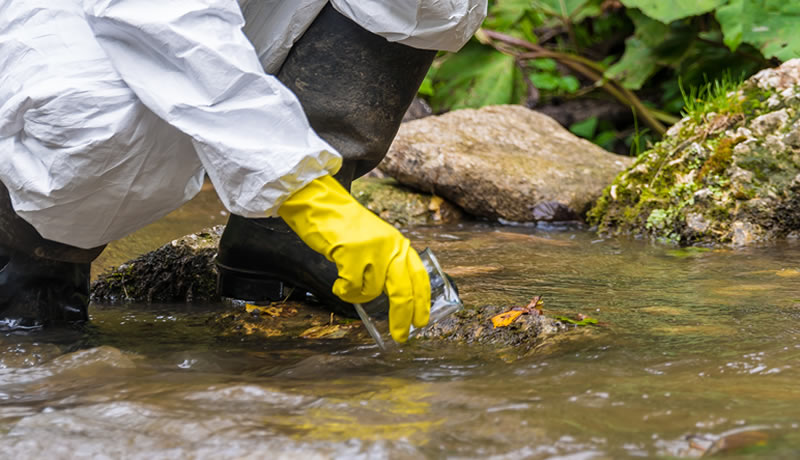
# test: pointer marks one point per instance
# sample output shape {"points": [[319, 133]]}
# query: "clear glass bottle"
{"points": [[444, 302]]}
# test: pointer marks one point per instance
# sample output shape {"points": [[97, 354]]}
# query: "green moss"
{"points": [[394, 203], [721, 158]]}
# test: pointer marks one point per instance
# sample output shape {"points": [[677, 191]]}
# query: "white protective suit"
{"points": [[112, 110]]}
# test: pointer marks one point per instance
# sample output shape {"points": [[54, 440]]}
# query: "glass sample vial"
{"points": [[444, 302]]}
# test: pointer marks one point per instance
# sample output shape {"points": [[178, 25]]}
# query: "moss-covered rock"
{"points": [[180, 271], [473, 325], [728, 173]]}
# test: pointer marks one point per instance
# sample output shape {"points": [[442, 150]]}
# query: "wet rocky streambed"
{"points": [[696, 353]]}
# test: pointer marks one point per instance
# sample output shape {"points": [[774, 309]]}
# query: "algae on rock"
{"points": [[182, 270], [402, 207], [728, 175]]}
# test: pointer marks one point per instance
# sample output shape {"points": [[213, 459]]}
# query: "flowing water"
{"points": [[698, 352]]}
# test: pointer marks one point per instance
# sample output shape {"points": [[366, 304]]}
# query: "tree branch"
{"points": [[581, 65]]}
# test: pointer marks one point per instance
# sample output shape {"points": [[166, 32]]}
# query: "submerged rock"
{"points": [[474, 325], [505, 162], [730, 175], [470, 326]]}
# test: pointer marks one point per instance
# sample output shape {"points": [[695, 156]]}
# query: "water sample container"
{"points": [[444, 302]]}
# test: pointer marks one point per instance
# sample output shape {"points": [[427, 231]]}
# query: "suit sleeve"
{"points": [[427, 24], [190, 63]]}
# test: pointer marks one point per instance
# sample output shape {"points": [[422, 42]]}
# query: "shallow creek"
{"points": [[697, 349]]}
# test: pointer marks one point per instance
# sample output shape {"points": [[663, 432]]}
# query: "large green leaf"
{"points": [[575, 10], [772, 26], [636, 66], [475, 77], [515, 17], [667, 11], [503, 14], [650, 31]]}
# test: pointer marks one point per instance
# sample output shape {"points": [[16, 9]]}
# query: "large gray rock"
{"points": [[504, 162]]}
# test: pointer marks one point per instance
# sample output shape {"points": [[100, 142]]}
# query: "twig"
{"points": [[580, 65]]}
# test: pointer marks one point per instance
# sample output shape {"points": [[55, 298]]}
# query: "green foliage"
{"points": [[480, 75], [668, 11], [600, 132], [475, 77], [544, 75], [535, 51], [514, 16], [772, 26], [567, 10], [686, 47]]}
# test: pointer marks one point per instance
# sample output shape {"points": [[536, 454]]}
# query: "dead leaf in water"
{"points": [[255, 329], [504, 319], [535, 305], [436, 203], [268, 310]]}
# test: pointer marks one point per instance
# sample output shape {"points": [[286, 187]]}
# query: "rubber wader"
{"points": [[355, 87], [42, 282]]}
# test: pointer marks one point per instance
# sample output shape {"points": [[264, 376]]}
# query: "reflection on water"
{"points": [[697, 345]]}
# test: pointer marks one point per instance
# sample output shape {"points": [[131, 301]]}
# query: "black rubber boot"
{"points": [[355, 87], [36, 292], [42, 282]]}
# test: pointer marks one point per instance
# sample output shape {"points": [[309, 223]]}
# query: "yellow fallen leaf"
{"points": [[504, 319], [264, 310], [253, 329], [436, 203], [333, 331]]}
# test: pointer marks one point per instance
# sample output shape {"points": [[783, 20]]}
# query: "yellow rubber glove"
{"points": [[371, 255]]}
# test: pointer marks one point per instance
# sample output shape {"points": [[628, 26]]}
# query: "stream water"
{"points": [[696, 349]]}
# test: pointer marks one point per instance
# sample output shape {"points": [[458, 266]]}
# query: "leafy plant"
{"points": [[598, 131]]}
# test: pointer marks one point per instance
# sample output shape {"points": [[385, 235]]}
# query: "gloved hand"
{"points": [[371, 255]]}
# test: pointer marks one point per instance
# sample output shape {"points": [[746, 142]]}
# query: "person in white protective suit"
{"points": [[112, 111]]}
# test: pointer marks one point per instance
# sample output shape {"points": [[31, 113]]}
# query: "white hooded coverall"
{"points": [[111, 111]]}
